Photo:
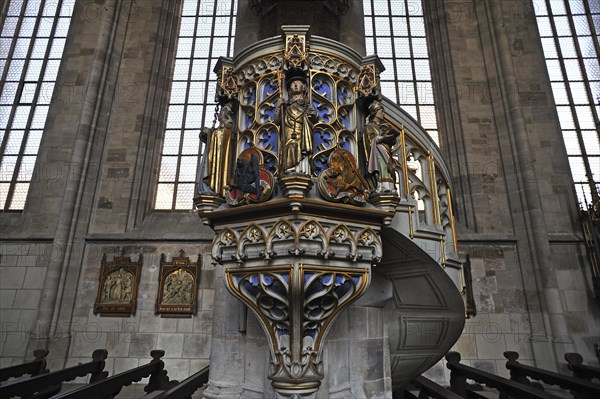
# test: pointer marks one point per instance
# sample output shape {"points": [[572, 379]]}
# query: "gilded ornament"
{"points": [[217, 155], [254, 234], [297, 118], [272, 294], [227, 86], [295, 51], [341, 181], [365, 238], [177, 287], [117, 289], [367, 80], [339, 235]]}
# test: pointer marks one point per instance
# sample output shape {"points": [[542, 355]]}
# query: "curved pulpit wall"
{"points": [[319, 164]]}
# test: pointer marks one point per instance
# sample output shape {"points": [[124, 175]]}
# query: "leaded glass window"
{"points": [[32, 39], [569, 36], [395, 31], [206, 33]]}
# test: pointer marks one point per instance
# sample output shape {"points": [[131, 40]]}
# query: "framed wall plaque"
{"points": [[178, 287], [118, 286]]}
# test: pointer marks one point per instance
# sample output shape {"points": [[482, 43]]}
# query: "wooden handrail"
{"points": [[111, 386], [34, 367], [434, 390], [29, 386], [581, 389], [186, 388], [507, 388], [580, 370]]}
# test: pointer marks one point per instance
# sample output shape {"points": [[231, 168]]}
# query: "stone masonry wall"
{"points": [[102, 144], [129, 340], [22, 275], [515, 205], [93, 189]]}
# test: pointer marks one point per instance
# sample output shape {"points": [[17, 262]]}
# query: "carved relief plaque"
{"points": [[178, 287], [117, 290]]}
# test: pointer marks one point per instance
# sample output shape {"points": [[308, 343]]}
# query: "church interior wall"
{"points": [[116, 109]]}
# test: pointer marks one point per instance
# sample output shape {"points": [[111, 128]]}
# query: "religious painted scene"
{"points": [[301, 199]]}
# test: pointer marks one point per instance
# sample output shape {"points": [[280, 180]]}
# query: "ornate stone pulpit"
{"points": [[328, 202]]}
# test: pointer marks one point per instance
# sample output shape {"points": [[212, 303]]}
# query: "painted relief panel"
{"points": [[117, 289], [178, 287]]}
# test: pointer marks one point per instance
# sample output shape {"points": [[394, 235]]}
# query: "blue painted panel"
{"points": [[269, 87], [322, 139], [344, 95], [323, 87], [268, 139], [323, 110], [345, 144], [249, 96]]}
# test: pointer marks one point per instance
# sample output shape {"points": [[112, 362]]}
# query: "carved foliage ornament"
{"points": [[117, 289], [312, 295], [178, 287]]}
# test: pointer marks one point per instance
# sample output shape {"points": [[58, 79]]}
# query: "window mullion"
{"points": [[9, 54], [582, 64], [561, 63], [33, 105], [593, 32]]}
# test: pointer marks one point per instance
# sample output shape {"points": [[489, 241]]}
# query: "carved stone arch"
{"points": [[370, 240], [227, 238], [312, 231], [282, 232], [341, 236], [254, 236]]}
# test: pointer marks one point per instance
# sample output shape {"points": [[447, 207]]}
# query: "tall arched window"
{"points": [[32, 39], [395, 31], [569, 34], [206, 33]]}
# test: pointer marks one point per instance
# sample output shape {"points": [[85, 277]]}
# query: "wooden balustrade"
{"points": [[459, 373], [427, 389], [581, 389], [574, 361], [186, 388], [109, 387], [45, 385], [33, 368]]}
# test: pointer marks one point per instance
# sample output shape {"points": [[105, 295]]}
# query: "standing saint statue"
{"points": [[379, 139], [296, 124], [218, 152]]}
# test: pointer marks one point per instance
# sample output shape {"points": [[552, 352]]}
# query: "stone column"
{"points": [[64, 237], [352, 27]]}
